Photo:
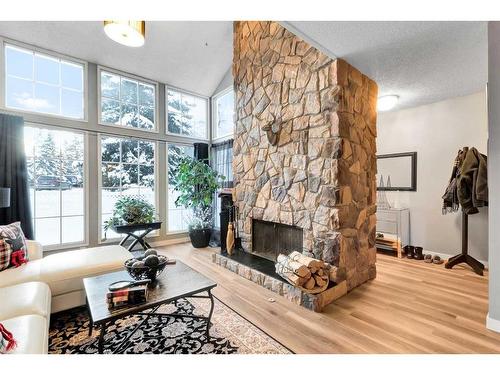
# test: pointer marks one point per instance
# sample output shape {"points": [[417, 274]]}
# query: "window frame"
{"points": [[100, 232], [139, 79], [86, 205], [49, 53], [214, 138], [207, 105], [168, 231]]}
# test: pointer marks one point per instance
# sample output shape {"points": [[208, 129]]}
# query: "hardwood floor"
{"points": [[411, 307]]}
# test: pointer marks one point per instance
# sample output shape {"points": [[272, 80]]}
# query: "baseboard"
{"points": [[445, 257], [492, 324], [171, 241]]}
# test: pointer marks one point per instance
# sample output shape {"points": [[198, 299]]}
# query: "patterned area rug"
{"points": [[230, 333]]}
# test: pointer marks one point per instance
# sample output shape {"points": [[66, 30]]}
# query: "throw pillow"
{"points": [[7, 342], [14, 232], [5, 254]]}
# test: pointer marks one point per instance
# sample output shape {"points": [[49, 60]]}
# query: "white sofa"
{"points": [[30, 293]]}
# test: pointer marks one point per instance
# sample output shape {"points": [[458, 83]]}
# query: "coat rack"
{"points": [[464, 257]]}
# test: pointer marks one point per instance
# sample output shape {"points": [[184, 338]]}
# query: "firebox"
{"points": [[270, 239]]}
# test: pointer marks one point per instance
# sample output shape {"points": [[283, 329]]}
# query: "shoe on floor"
{"points": [[428, 258], [418, 253], [410, 251], [436, 259]]}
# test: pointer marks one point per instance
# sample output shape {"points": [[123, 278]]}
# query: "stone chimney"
{"points": [[304, 147]]}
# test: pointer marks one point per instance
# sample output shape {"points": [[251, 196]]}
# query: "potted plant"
{"points": [[196, 184], [130, 210]]}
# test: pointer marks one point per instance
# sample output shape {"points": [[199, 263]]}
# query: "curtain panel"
{"points": [[14, 173]]}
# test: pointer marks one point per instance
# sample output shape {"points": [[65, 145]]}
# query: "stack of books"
{"points": [[127, 296]]}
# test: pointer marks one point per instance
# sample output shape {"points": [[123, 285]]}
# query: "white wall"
{"points": [[493, 320], [436, 132]]}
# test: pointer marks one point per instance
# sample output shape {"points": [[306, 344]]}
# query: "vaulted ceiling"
{"points": [[190, 55], [422, 62]]}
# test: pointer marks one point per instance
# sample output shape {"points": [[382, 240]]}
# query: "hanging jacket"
{"points": [[472, 182], [450, 198]]}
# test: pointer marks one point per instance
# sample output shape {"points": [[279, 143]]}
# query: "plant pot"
{"points": [[200, 237]]}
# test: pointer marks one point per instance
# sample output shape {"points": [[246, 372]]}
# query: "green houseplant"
{"points": [[130, 210], [196, 184]]}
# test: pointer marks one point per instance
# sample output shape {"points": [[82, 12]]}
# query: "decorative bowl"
{"points": [[145, 272]]}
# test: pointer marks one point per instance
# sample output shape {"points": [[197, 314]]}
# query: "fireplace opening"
{"points": [[271, 239]]}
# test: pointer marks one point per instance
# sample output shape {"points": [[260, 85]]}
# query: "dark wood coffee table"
{"points": [[177, 281]]}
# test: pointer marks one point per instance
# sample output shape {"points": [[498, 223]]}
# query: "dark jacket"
{"points": [[472, 182]]}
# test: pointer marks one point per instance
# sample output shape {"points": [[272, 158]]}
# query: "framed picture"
{"points": [[397, 172]]}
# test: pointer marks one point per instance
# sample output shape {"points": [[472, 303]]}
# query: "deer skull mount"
{"points": [[273, 130]]}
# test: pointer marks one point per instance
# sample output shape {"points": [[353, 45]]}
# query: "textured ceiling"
{"points": [[190, 55], [422, 62]]}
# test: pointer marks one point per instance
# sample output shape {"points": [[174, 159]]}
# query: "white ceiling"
{"points": [[422, 62], [190, 55]]}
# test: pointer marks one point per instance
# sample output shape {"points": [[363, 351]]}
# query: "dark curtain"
{"points": [[222, 160], [14, 174]]}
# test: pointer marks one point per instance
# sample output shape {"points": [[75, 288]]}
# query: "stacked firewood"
{"points": [[306, 273]]}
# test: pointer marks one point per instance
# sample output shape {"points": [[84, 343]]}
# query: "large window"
{"points": [[127, 168], [41, 83], [55, 162], [177, 216], [223, 110], [186, 114], [127, 102]]}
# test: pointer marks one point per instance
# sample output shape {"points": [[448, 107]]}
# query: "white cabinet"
{"points": [[395, 222]]}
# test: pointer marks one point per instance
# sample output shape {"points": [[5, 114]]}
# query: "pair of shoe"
{"points": [[436, 259], [414, 252]]}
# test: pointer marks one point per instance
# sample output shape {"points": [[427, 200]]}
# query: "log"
{"points": [[310, 283], [306, 261], [319, 280], [292, 266], [290, 276]]}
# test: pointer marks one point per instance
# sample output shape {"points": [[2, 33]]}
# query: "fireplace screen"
{"points": [[271, 239]]}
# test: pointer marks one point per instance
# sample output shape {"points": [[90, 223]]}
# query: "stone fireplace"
{"points": [[304, 148]]}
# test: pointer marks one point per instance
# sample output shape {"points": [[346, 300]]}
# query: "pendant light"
{"points": [[128, 33]]}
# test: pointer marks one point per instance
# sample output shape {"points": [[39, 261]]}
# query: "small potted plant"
{"points": [[130, 210], [196, 184]]}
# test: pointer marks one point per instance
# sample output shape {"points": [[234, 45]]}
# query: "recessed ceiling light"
{"points": [[128, 33], [387, 102]]}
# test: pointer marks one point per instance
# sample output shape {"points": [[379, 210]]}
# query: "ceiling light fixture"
{"points": [[387, 102], [128, 33]]}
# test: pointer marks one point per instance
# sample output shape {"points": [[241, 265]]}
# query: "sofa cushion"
{"points": [[64, 272], [22, 274], [14, 232], [5, 252], [31, 333], [25, 299]]}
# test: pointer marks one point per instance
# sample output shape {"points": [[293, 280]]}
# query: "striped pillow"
{"points": [[12, 232], [5, 253]]}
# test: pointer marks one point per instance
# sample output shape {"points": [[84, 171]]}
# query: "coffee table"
{"points": [[177, 281]]}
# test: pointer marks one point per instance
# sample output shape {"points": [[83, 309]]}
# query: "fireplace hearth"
{"points": [[271, 239]]}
